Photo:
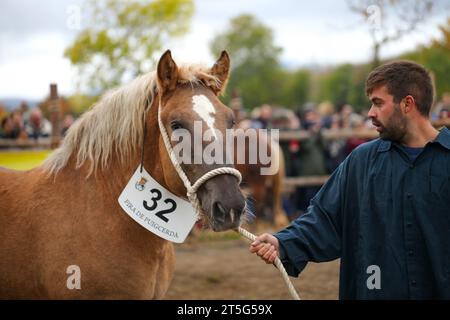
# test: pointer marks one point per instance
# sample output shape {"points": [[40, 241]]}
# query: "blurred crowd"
{"points": [[24, 122], [316, 156]]}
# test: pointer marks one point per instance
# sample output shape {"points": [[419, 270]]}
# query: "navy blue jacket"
{"points": [[380, 210]]}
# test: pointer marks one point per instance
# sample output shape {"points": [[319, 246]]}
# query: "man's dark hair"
{"points": [[404, 78]]}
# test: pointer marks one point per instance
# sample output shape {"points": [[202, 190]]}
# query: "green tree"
{"points": [[444, 42], [297, 87], [357, 95], [336, 85], [121, 38], [79, 103], [256, 70], [436, 57], [344, 84]]}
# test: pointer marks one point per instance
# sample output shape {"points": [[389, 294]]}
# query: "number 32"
{"points": [[154, 204]]}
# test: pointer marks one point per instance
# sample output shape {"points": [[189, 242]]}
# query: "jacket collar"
{"points": [[384, 145], [443, 138]]}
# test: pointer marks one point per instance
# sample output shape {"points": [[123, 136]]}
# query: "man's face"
{"points": [[387, 116]]}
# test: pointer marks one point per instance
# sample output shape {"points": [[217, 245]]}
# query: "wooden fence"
{"points": [[290, 182]]}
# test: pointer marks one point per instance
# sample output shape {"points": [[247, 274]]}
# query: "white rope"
{"points": [[192, 194], [250, 236]]}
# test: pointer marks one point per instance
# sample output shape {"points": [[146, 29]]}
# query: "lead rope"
{"points": [[192, 195], [250, 236]]}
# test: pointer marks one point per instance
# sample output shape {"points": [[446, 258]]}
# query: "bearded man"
{"points": [[385, 211]]}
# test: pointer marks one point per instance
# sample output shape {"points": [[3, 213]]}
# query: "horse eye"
{"points": [[175, 125]]}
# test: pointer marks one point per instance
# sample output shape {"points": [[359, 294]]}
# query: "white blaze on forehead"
{"points": [[205, 109]]}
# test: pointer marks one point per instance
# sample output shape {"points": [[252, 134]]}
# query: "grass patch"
{"points": [[22, 160], [209, 235]]}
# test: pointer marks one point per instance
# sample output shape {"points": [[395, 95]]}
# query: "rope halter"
{"points": [[192, 188]]}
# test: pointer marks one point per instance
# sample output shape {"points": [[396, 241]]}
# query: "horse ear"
{"points": [[167, 73], [221, 70]]}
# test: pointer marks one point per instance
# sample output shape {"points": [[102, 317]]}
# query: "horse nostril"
{"points": [[219, 211]]}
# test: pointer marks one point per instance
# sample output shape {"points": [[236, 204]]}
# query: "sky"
{"points": [[34, 34]]}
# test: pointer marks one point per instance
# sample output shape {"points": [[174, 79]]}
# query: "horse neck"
{"points": [[93, 198]]}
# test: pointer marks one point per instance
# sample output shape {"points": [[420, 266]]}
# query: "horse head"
{"points": [[191, 108]]}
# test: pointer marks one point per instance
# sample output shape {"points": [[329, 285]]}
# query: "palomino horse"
{"points": [[66, 211]]}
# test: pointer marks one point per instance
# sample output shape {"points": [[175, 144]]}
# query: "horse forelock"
{"points": [[197, 74], [114, 125]]}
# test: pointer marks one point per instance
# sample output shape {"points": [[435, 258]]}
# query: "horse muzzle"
{"points": [[225, 218], [223, 202]]}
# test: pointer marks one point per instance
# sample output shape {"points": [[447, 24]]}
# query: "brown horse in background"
{"points": [[264, 191], [66, 212]]}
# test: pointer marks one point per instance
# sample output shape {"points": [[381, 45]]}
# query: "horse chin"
{"points": [[218, 227], [219, 221], [217, 224]]}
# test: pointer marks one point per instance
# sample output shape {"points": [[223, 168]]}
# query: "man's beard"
{"points": [[395, 127]]}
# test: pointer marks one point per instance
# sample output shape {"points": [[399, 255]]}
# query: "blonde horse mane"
{"points": [[115, 123]]}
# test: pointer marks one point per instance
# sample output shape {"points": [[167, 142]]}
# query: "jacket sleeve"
{"points": [[316, 235]]}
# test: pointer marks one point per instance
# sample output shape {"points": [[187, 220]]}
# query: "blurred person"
{"points": [[16, 126], [444, 104], [385, 210], [37, 126], [23, 108], [326, 111], [287, 120], [284, 119], [350, 120], [348, 117], [262, 117], [67, 122], [444, 114], [334, 149], [6, 128], [356, 123], [309, 160], [443, 118], [237, 106]]}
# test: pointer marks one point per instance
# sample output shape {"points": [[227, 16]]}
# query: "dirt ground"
{"points": [[221, 267]]}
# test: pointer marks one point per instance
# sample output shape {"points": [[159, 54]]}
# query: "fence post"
{"points": [[55, 116], [236, 105]]}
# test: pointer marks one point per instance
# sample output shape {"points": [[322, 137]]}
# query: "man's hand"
{"points": [[266, 247]]}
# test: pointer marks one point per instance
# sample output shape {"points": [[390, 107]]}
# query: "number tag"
{"points": [[156, 208]]}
